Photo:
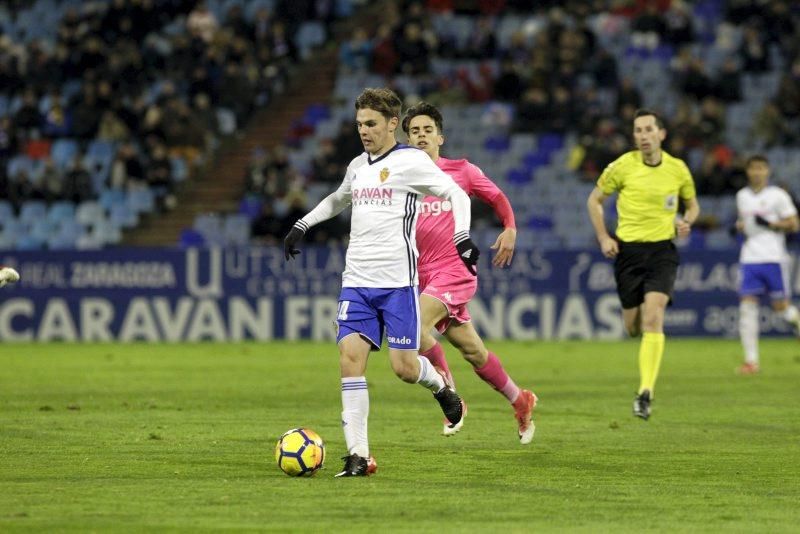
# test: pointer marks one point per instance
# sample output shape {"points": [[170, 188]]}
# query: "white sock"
{"points": [[791, 315], [355, 410], [748, 330], [428, 376]]}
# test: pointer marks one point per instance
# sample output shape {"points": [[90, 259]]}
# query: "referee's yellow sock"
{"points": [[650, 351]]}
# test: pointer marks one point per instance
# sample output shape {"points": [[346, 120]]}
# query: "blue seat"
{"points": [[122, 215], [550, 142], [180, 171], [17, 164], [61, 242], [32, 210], [540, 223], [236, 229], [518, 176], [61, 211], [89, 213], [191, 238], [29, 242], [141, 200], [534, 160], [210, 226], [110, 197], [6, 211], [250, 206], [101, 151], [63, 151], [497, 143]]}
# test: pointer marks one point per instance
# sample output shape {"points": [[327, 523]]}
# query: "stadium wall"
{"points": [[152, 294]]}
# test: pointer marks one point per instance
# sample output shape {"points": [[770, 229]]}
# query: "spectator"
{"points": [[356, 54], [729, 81], [78, 182], [27, 118], [412, 51], [384, 54], [508, 86], [268, 228], [202, 23], [127, 171], [111, 128], [754, 51], [533, 113]]}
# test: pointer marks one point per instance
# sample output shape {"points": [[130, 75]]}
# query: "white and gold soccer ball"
{"points": [[300, 452]]}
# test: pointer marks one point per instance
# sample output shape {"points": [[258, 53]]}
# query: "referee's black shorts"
{"points": [[643, 267]]}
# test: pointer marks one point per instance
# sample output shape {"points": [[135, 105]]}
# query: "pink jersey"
{"points": [[435, 223]]}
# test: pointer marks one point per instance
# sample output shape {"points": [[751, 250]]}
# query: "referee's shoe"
{"points": [[641, 405]]}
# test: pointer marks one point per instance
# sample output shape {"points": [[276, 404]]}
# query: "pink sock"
{"points": [[435, 355], [493, 374]]}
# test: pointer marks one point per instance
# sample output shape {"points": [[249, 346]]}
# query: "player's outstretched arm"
{"points": [[329, 207], [8, 275]]}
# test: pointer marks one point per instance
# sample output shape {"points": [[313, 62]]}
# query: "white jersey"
{"points": [[761, 244], [385, 194]]}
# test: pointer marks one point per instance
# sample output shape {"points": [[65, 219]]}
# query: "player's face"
{"points": [[647, 135], [423, 134], [376, 133], [757, 174]]}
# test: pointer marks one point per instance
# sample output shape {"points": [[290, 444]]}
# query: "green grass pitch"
{"points": [[180, 437]]}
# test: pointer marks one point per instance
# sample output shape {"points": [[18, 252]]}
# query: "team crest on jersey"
{"points": [[384, 174]]}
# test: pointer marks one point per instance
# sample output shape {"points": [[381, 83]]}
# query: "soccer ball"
{"points": [[300, 452]]}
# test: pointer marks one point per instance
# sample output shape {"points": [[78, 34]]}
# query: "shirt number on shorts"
{"points": [[343, 310]]}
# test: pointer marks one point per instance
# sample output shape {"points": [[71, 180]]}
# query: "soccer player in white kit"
{"points": [[766, 213], [385, 186]]}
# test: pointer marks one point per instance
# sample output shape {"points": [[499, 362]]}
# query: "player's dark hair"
{"points": [[423, 108], [756, 158], [644, 112], [382, 100]]}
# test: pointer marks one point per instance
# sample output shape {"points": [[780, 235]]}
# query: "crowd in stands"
{"points": [[135, 94], [558, 73]]}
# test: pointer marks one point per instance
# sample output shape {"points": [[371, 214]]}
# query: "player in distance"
{"points": [[765, 214], [649, 182], [379, 283], [446, 283]]}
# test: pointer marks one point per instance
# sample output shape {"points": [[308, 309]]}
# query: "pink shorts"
{"points": [[454, 292]]}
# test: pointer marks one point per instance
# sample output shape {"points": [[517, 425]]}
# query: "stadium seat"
{"points": [[250, 207], [90, 212], [6, 211], [191, 238], [141, 200], [61, 211], [123, 215], [210, 227], [63, 151], [32, 210], [236, 230]]}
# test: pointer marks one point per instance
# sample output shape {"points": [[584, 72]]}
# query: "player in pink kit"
{"points": [[446, 284]]}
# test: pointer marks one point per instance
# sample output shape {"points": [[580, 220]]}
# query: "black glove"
{"points": [[468, 252], [292, 238], [761, 221]]}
